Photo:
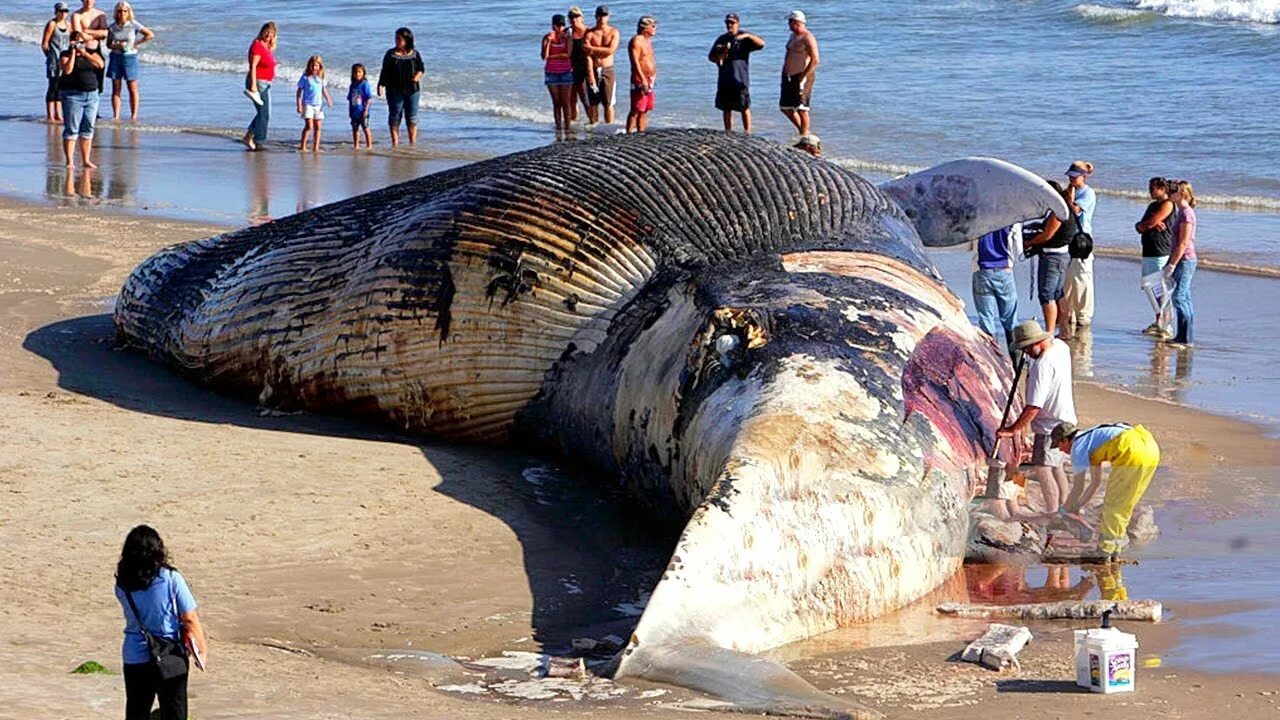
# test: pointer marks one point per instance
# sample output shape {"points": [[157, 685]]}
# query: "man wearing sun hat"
{"points": [[1134, 457], [1049, 403]]}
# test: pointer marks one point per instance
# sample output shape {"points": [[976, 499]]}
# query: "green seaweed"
{"points": [[91, 667]]}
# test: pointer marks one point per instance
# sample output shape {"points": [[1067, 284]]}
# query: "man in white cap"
{"points": [[798, 70], [1049, 403]]}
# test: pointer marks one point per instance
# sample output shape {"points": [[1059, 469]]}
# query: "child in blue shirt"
{"points": [[311, 91], [358, 98]]}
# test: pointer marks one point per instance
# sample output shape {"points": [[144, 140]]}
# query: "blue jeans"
{"points": [[79, 112], [1182, 275], [259, 124], [402, 105], [995, 298]]}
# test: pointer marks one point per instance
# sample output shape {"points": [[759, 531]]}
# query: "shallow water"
{"points": [[901, 86]]}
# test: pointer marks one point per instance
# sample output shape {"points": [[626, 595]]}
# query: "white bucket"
{"points": [[1113, 663]]}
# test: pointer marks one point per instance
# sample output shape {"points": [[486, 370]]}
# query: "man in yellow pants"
{"points": [[1134, 457]]}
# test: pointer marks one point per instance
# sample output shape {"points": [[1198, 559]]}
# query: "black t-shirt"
{"points": [[735, 71], [1066, 231], [82, 78], [398, 71], [1157, 243]]}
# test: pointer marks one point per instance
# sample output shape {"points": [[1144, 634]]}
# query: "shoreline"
{"points": [[334, 542]]}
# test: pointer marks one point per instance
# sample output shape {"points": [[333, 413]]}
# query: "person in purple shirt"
{"points": [[162, 603], [995, 295], [1182, 259]]}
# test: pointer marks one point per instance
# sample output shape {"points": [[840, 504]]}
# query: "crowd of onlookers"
{"points": [[1064, 267], [579, 70]]}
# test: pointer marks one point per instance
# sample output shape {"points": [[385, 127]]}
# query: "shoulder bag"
{"points": [[168, 656]]}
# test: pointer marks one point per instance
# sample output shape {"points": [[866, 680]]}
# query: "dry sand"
{"points": [[312, 543]]}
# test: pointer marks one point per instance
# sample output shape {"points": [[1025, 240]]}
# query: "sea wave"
{"points": [[1111, 15], [1255, 11]]}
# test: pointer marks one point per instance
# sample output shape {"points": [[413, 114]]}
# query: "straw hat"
{"points": [[1028, 333]]}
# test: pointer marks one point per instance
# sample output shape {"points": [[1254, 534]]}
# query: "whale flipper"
{"points": [[967, 198]]}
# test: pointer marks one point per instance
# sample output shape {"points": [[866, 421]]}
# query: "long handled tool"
{"points": [[995, 466]]}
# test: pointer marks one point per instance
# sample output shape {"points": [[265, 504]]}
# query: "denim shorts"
{"points": [[1050, 276], [1152, 265], [402, 105], [79, 113], [122, 67], [564, 78]]}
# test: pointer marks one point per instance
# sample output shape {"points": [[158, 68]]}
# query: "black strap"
{"points": [[148, 635]]}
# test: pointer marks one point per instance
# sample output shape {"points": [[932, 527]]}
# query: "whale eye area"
{"points": [[724, 345]]}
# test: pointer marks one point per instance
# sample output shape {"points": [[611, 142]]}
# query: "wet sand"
{"points": [[313, 543]]}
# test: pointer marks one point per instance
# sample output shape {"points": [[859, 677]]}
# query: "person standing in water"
{"points": [[311, 96], [732, 53], [601, 45], [578, 60], [358, 97], [92, 24], [124, 37], [1157, 241], [55, 39], [798, 70], [1182, 258], [557, 72], [400, 77], [257, 84], [78, 89], [644, 73], [1078, 286]]}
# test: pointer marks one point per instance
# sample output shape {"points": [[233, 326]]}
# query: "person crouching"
{"points": [[1133, 455]]}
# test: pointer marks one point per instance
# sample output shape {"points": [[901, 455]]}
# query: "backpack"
{"points": [[1081, 244]]}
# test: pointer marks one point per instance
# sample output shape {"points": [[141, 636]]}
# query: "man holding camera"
{"points": [[732, 52]]}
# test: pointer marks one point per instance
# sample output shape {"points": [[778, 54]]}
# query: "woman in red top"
{"points": [[558, 71], [257, 84]]}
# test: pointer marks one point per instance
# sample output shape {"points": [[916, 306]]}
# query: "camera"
{"points": [[77, 46]]}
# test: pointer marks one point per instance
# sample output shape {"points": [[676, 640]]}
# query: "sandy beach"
{"points": [[332, 560]]}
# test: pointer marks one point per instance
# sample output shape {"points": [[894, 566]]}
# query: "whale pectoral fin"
{"points": [[748, 683], [965, 199]]}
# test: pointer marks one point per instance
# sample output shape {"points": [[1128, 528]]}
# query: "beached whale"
{"points": [[749, 339]]}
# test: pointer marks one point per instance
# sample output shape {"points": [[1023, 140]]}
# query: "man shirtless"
{"points": [[798, 70], [602, 45], [644, 73], [92, 23]]}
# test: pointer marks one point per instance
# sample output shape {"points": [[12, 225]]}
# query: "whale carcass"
{"points": [[751, 341]]}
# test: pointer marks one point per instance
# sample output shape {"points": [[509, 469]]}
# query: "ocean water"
{"points": [[1181, 88]]}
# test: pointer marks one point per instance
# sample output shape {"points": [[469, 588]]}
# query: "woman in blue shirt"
{"points": [[1078, 290], [166, 608]]}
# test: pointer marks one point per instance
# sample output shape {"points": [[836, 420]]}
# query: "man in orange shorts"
{"points": [[644, 73]]}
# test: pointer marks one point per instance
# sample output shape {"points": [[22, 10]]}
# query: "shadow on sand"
{"points": [[583, 555]]}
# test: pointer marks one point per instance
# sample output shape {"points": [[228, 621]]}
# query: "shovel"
{"points": [[995, 466]]}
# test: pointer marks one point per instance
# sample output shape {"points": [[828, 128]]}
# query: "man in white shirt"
{"points": [[1049, 402]]}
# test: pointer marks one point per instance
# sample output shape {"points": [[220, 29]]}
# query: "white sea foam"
{"points": [[1257, 11], [1111, 15]]}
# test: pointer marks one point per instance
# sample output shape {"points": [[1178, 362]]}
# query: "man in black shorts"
{"points": [[798, 70], [732, 52]]}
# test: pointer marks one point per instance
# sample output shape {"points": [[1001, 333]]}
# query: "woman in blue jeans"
{"points": [[257, 84], [1182, 259], [78, 90], [154, 597], [401, 74]]}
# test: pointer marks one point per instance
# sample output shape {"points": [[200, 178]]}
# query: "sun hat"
{"points": [[1062, 432], [1028, 333], [1079, 168], [797, 15]]}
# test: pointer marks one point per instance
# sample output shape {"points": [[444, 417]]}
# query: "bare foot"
{"points": [[90, 166], [71, 166]]}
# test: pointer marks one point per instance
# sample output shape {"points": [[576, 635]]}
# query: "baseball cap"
{"points": [[731, 16], [647, 21], [602, 11], [1062, 432], [797, 15], [60, 7]]}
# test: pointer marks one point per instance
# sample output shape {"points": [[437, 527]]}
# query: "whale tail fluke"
{"points": [[965, 199], [746, 683]]}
